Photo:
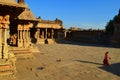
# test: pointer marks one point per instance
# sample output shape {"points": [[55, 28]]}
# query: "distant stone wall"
{"points": [[85, 36]]}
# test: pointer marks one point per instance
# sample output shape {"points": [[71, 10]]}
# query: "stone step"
{"points": [[22, 53], [6, 72], [5, 68], [7, 77], [24, 56]]}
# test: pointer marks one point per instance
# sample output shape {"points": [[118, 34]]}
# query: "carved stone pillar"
{"points": [[52, 33], [43, 34], [0, 42], [29, 36], [23, 36], [26, 35], [58, 34], [46, 33], [4, 23], [65, 34], [18, 34], [7, 59], [38, 34], [20, 38]]}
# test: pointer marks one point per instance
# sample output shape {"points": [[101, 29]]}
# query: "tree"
{"points": [[109, 28]]}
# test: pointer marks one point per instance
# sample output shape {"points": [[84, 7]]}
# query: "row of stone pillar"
{"points": [[45, 34], [23, 36]]}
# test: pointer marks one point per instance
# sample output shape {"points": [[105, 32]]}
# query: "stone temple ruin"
{"points": [[18, 30]]}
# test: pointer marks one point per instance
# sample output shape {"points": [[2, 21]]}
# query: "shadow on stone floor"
{"points": [[89, 44], [83, 61], [113, 68]]}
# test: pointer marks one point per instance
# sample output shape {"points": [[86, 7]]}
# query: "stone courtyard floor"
{"points": [[69, 62]]}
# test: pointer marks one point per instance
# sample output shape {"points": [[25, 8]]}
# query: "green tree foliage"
{"points": [[116, 19], [109, 28]]}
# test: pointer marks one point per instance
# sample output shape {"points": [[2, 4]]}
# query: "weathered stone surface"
{"points": [[7, 67], [8, 1], [27, 15], [17, 17]]}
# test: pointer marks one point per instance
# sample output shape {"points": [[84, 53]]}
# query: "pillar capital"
{"points": [[4, 21]]}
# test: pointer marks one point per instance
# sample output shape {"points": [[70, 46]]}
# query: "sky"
{"points": [[84, 14]]}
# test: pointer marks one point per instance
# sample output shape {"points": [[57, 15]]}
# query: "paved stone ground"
{"points": [[70, 62]]}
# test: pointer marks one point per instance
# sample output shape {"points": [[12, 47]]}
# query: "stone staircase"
{"points": [[7, 70], [22, 53]]}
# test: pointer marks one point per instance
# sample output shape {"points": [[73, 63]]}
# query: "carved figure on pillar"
{"points": [[13, 39]]}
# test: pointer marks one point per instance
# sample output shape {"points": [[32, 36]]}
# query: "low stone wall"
{"points": [[85, 36]]}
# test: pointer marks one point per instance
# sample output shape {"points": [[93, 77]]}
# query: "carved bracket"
{"points": [[4, 21]]}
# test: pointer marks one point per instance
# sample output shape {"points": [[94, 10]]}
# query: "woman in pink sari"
{"points": [[106, 61]]}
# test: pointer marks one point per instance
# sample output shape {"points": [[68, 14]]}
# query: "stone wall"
{"points": [[85, 36]]}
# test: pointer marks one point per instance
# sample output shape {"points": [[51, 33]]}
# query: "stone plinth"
{"points": [[7, 59]]}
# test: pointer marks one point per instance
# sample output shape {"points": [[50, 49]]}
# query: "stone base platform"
{"points": [[51, 41], [7, 69], [46, 41], [21, 53], [41, 41]]}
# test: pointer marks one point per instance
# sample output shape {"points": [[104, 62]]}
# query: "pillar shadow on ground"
{"points": [[113, 68]]}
